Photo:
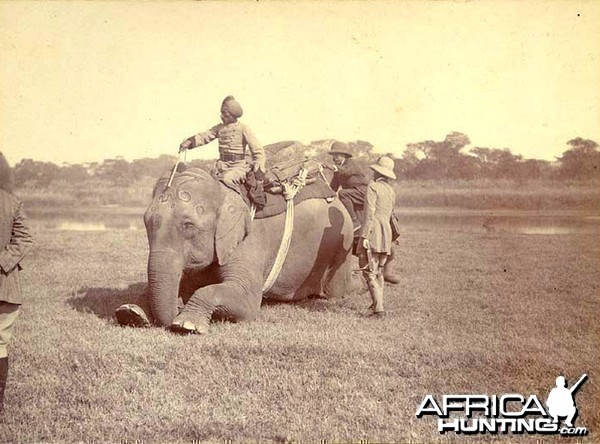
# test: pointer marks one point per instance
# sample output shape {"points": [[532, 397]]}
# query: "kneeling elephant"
{"points": [[209, 259]]}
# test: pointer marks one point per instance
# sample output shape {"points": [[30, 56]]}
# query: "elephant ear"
{"points": [[233, 225]]}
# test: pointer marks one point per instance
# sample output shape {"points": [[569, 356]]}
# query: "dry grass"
{"points": [[476, 313]]}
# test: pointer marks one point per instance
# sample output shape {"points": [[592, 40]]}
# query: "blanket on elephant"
{"points": [[271, 202], [276, 203]]}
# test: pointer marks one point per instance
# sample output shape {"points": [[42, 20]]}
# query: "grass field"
{"points": [[476, 313]]}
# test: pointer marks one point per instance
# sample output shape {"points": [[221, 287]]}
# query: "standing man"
{"points": [[352, 180], [15, 241], [234, 136], [376, 232]]}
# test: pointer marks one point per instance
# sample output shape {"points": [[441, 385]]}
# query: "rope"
{"points": [[283, 247], [289, 192]]}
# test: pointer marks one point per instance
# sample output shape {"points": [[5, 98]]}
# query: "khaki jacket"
{"points": [[379, 205], [233, 139], [15, 241]]}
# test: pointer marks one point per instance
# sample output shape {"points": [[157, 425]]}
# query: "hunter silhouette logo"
{"points": [[561, 401], [509, 413]]}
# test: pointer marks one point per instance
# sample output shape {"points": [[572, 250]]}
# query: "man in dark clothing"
{"points": [[352, 180]]}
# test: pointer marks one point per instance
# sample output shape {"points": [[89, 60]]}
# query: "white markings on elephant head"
{"points": [[184, 195], [164, 198], [156, 221]]}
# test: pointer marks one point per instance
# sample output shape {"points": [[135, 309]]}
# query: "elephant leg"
{"points": [[338, 279], [228, 300], [388, 275]]}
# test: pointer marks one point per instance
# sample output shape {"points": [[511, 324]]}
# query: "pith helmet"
{"points": [[339, 148], [231, 106], [385, 167]]}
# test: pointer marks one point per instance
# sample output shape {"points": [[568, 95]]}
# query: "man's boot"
{"points": [[388, 275], [3, 378]]}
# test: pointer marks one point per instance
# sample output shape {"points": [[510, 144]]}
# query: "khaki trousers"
{"points": [[232, 173], [8, 316]]}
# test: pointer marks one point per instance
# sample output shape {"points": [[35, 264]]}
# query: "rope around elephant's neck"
{"points": [[283, 247], [290, 190]]}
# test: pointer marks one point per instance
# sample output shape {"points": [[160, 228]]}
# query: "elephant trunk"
{"points": [[164, 275]]}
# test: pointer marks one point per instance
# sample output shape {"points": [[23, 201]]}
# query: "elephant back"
{"points": [[182, 175]]}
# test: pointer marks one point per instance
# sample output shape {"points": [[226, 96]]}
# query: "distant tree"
{"points": [[439, 160], [583, 145], [116, 171], [35, 172], [419, 150], [152, 167], [497, 163], [74, 173], [361, 148], [535, 169], [581, 161], [405, 165]]}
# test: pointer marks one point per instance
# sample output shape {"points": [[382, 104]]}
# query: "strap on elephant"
{"points": [[290, 189]]}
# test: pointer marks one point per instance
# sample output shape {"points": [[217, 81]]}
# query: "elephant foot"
{"points": [[182, 324], [131, 315]]}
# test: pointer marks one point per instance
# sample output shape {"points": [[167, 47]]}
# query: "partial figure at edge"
{"points": [[15, 241]]}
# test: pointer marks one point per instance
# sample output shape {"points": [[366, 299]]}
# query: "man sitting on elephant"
{"points": [[234, 136], [350, 178], [353, 181]]}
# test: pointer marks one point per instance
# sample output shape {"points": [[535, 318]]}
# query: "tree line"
{"points": [[425, 160]]}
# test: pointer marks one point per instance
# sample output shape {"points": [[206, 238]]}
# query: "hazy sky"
{"points": [[86, 81]]}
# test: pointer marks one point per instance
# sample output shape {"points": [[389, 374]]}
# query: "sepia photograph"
{"points": [[299, 221]]}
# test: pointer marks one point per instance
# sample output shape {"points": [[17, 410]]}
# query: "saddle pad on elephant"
{"points": [[276, 204], [288, 169]]}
